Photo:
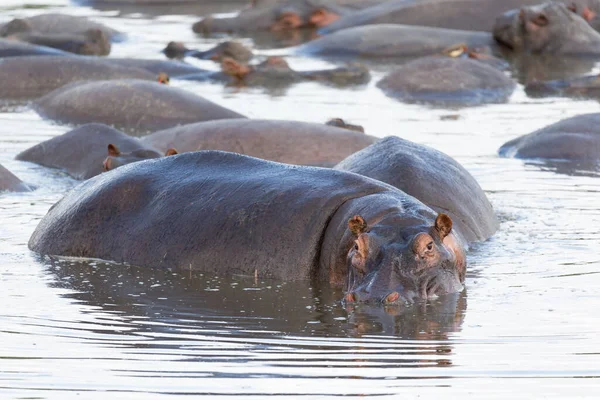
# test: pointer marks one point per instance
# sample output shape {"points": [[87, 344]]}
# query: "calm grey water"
{"points": [[527, 326]]}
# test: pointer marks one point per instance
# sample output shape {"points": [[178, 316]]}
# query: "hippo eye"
{"points": [[356, 246], [540, 20], [429, 246]]}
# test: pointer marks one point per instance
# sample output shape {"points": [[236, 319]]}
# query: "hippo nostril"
{"points": [[350, 298], [392, 297]]}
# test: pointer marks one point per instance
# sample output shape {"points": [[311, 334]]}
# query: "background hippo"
{"points": [[14, 48], [587, 86], [34, 76], [172, 68], [228, 49], [430, 176], [131, 105], [10, 183], [447, 80], [92, 42], [81, 151], [232, 214], [549, 28], [392, 41], [575, 139]]}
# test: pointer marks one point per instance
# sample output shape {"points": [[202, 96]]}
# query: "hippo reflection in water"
{"points": [[254, 217]]}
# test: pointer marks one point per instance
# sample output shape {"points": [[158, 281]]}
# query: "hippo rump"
{"points": [[572, 139], [135, 106], [448, 81], [431, 176], [55, 23], [292, 142], [82, 151], [92, 42], [10, 183], [470, 15], [14, 48], [550, 28], [33, 76], [389, 40], [231, 214]]}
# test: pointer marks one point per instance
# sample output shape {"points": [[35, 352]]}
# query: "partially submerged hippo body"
{"points": [[92, 42], [14, 48], [55, 23], [223, 213], [228, 49], [392, 41], [135, 106], [33, 76], [174, 69], [573, 139], [433, 178], [585, 87], [447, 81], [82, 151], [291, 142], [550, 28], [470, 15], [10, 183]]}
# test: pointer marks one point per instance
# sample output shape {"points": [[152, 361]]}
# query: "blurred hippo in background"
{"points": [[10, 183], [328, 226], [228, 49], [550, 28], [275, 72], [340, 123], [581, 87], [92, 42], [13, 48], [173, 69], [572, 139], [55, 23], [432, 177], [392, 41], [133, 105]]}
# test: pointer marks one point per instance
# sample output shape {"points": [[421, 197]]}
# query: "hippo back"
{"points": [[210, 211], [432, 177], [9, 182]]}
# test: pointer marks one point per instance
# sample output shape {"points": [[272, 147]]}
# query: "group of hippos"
{"points": [[173, 180]]}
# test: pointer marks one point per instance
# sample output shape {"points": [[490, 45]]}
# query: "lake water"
{"points": [[527, 325]]}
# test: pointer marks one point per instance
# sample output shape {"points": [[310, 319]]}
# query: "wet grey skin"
{"points": [[391, 41], [572, 139], [134, 106], [579, 87], [549, 28], [10, 183], [411, 167], [172, 68], [55, 23], [92, 42], [230, 49], [328, 226], [14, 48], [447, 81], [29, 77]]}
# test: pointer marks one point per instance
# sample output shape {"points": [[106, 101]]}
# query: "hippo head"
{"points": [[117, 159], [97, 43], [15, 26], [340, 123], [390, 265], [543, 28], [321, 17], [288, 18], [175, 50], [586, 12], [236, 70], [232, 49]]}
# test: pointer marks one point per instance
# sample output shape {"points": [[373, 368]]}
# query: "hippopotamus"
{"points": [[133, 105], [10, 183], [55, 23], [340, 123], [470, 15], [275, 72], [587, 9], [13, 48], [413, 168], [172, 68], [81, 152], [33, 76], [292, 142], [549, 28], [587, 86], [92, 42], [223, 215], [447, 80], [228, 49], [388, 40], [573, 139]]}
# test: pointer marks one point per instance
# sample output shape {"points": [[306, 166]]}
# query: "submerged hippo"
{"points": [[31, 77], [292, 142], [228, 49], [340, 123], [549, 28], [55, 23], [573, 139], [392, 41], [10, 183], [446, 80], [13, 48], [92, 42], [232, 214], [174, 69], [82, 151], [587, 86], [135, 106], [275, 72], [413, 168]]}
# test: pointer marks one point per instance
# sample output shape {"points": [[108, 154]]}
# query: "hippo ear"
{"points": [[357, 225], [113, 150], [443, 224], [171, 152]]}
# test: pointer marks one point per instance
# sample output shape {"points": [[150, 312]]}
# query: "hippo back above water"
{"points": [[229, 214]]}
